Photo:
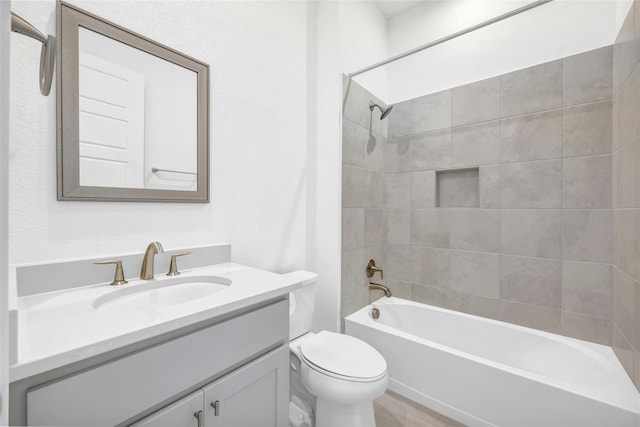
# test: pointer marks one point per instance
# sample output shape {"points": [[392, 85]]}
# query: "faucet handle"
{"points": [[372, 269], [173, 266], [118, 279]]}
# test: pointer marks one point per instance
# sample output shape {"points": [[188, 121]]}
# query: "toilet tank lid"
{"points": [[302, 276], [343, 355]]}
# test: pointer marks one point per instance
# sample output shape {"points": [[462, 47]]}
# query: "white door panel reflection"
{"points": [[111, 127], [137, 112]]}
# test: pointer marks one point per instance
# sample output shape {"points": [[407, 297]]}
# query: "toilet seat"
{"points": [[343, 357]]}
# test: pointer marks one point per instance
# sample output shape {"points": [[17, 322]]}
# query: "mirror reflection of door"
{"points": [[137, 117], [111, 124]]}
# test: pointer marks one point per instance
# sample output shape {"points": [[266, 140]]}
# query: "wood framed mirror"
{"points": [[132, 115]]}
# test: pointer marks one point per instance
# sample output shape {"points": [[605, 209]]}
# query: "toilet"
{"points": [[334, 378]]}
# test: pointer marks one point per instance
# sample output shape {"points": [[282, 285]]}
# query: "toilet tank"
{"points": [[301, 303]]}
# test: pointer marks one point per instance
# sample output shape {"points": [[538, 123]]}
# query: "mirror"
{"points": [[133, 115]]}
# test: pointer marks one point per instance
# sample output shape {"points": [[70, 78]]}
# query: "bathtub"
{"points": [[483, 372]]}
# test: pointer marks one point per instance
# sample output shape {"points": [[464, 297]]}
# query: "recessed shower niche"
{"points": [[458, 188]]}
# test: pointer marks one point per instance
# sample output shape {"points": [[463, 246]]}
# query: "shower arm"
{"points": [[47, 54]]}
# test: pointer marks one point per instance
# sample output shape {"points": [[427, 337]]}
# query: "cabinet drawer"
{"points": [[116, 391]]}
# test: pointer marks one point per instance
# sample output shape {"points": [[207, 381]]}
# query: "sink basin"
{"points": [[161, 293]]}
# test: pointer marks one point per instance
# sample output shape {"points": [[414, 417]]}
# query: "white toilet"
{"points": [[343, 373]]}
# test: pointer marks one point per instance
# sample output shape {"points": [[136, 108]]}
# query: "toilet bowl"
{"points": [[343, 373]]}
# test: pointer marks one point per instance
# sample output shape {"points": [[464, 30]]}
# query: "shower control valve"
{"points": [[372, 269]]}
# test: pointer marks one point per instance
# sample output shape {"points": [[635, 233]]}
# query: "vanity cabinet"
{"points": [[179, 414], [254, 395], [240, 361]]}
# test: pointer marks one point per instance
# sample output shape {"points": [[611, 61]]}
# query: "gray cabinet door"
{"points": [[255, 395], [183, 413]]}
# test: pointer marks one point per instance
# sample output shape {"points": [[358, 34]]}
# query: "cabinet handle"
{"points": [[216, 407], [200, 418]]}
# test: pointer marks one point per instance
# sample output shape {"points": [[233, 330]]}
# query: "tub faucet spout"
{"points": [[378, 286], [147, 262]]}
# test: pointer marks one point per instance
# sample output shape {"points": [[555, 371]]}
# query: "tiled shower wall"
{"points": [[364, 221], [626, 195], [522, 232]]}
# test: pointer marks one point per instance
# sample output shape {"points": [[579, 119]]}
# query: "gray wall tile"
{"points": [[474, 145], [374, 152], [398, 265], [475, 230], [531, 184], [587, 235], [475, 273], [400, 119], [626, 241], [587, 129], [398, 227], [355, 187], [533, 89], [546, 319], [586, 288], [536, 281], [594, 329], [452, 300], [588, 76], [431, 151], [615, 144], [628, 109], [431, 227], [476, 102], [625, 316], [532, 137], [431, 112], [399, 288], [432, 295], [397, 155], [376, 195], [423, 190], [354, 138], [355, 107], [489, 183], [625, 50], [531, 233], [375, 227], [352, 293], [352, 229], [430, 266], [398, 191], [586, 182], [626, 171]]}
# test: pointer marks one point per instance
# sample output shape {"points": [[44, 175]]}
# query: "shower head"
{"points": [[384, 111]]}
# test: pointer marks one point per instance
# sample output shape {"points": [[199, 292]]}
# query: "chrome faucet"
{"points": [[147, 262], [378, 286]]}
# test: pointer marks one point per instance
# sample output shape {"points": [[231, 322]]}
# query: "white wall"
{"points": [[5, 25], [551, 31], [363, 41], [257, 53], [350, 35]]}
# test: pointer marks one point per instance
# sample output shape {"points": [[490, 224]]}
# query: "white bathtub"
{"points": [[485, 372]]}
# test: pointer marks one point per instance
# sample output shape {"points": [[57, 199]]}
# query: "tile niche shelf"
{"points": [[458, 188]]}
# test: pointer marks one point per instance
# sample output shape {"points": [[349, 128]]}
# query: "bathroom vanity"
{"points": [[150, 354]]}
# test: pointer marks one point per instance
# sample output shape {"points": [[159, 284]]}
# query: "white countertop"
{"points": [[58, 328]]}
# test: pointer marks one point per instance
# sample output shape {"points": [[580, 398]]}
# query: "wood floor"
{"points": [[393, 410]]}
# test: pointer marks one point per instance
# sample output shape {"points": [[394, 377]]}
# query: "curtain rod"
{"points": [[451, 36]]}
